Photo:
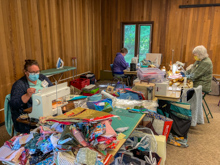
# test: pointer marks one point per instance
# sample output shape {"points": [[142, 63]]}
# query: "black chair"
{"points": [[209, 113]]}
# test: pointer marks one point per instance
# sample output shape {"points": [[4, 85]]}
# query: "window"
{"points": [[136, 37]]}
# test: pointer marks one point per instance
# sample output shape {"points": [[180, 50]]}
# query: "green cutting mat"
{"points": [[127, 119]]}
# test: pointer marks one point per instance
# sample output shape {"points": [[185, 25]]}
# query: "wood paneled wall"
{"points": [[174, 28], [45, 30], [90, 30]]}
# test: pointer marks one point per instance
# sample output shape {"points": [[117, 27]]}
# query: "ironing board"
{"points": [[54, 71], [127, 119]]}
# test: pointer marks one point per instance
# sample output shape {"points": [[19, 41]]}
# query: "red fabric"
{"points": [[90, 94], [139, 93], [100, 118], [107, 159], [24, 157], [61, 122]]}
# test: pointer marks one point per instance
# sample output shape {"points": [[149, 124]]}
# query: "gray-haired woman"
{"points": [[201, 71]]}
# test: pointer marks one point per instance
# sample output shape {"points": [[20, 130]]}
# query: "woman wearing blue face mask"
{"points": [[22, 91]]}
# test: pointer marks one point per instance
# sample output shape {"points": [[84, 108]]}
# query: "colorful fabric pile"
{"points": [[80, 136]]}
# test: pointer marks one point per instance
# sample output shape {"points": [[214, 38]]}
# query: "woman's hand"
{"points": [[30, 91], [27, 96]]}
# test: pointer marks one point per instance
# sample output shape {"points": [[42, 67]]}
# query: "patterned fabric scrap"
{"points": [[97, 131], [47, 161], [65, 158], [24, 157], [17, 145], [86, 156], [10, 142], [31, 145], [39, 156]]}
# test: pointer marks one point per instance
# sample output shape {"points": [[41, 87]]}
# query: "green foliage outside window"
{"points": [[144, 42], [129, 41]]}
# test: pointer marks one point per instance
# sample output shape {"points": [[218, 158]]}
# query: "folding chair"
{"points": [[209, 113]]}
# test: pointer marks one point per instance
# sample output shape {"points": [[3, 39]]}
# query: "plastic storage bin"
{"points": [[151, 75], [80, 83], [89, 76]]}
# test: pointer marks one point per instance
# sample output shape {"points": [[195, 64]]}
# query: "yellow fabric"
{"points": [[121, 136], [80, 113]]}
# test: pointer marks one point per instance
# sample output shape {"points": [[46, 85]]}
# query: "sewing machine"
{"points": [[42, 102], [178, 66]]}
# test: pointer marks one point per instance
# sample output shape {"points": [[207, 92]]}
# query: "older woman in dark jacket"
{"points": [[22, 91]]}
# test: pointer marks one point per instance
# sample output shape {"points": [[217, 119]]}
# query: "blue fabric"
{"points": [[96, 97], [17, 106], [7, 111], [95, 105], [181, 110], [119, 63], [119, 73], [129, 96]]}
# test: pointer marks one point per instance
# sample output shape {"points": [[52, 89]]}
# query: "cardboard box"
{"points": [[106, 75], [148, 89]]}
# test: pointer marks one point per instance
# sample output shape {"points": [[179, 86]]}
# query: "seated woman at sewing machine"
{"points": [[22, 90], [201, 71], [119, 62]]}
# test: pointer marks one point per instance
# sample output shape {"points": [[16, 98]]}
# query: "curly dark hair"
{"points": [[30, 63]]}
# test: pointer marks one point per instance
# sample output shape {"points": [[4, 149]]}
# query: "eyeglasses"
{"points": [[34, 73]]}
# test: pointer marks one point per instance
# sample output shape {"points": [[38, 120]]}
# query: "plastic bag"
{"points": [[123, 103], [102, 105], [147, 135]]}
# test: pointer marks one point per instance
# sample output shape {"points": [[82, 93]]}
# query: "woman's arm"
{"points": [[200, 70], [28, 95], [123, 63], [17, 92]]}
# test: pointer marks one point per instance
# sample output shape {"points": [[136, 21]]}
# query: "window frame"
{"points": [[137, 34]]}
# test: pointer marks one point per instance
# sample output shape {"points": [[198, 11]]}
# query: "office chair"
{"points": [[8, 118]]}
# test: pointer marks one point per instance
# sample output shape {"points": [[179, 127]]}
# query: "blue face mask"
{"points": [[33, 77]]}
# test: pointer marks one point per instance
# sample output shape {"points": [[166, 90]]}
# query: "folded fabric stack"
{"points": [[90, 90], [80, 136]]}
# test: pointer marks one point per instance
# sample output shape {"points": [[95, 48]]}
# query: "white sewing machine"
{"points": [[42, 102]]}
